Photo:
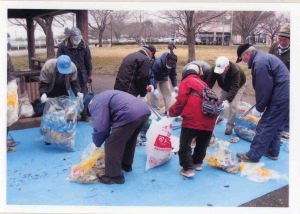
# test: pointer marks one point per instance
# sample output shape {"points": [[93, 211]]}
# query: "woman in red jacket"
{"points": [[194, 123]]}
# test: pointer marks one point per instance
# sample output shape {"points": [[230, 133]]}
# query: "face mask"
{"points": [[168, 67], [76, 43], [282, 47], [245, 63]]}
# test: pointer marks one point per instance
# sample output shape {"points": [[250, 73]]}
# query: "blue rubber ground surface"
{"points": [[36, 175]]}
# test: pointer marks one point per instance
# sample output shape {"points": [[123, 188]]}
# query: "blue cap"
{"points": [[64, 64]]}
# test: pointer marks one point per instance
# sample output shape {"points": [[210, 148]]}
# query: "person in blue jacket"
{"points": [[271, 82], [160, 70], [117, 119]]}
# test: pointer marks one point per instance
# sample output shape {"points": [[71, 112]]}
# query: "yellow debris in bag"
{"points": [[12, 102], [253, 119], [212, 161], [257, 173], [88, 169]]}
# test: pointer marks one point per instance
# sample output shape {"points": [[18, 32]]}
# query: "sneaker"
{"points": [[188, 173], [112, 180], [10, 149], [220, 120], [127, 167], [198, 167], [269, 156], [228, 131], [244, 158]]}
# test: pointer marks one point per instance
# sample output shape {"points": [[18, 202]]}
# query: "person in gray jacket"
{"points": [[117, 119], [204, 66]]}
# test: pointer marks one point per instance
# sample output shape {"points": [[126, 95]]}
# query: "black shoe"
{"points": [[84, 118], [112, 180], [127, 167], [228, 131], [47, 144]]}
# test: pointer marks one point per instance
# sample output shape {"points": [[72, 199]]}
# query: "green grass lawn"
{"points": [[106, 60]]}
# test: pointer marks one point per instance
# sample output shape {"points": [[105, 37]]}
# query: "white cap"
{"points": [[193, 67], [221, 63]]}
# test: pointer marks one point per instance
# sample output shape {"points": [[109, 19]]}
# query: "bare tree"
{"points": [[20, 22], [120, 21], [139, 24], [245, 22], [98, 20], [189, 22]]}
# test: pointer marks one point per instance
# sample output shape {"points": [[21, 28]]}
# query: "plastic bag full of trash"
{"points": [[12, 102], [255, 172], [223, 158], [59, 121], [26, 109], [90, 168], [159, 147]]}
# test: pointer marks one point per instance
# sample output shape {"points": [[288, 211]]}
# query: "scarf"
{"points": [[281, 50]]}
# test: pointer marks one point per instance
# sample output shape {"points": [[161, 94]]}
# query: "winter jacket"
{"points": [[112, 109], [284, 57], [10, 69], [270, 79], [133, 74], [80, 56], [48, 74], [189, 106], [205, 68], [159, 71], [235, 78]]}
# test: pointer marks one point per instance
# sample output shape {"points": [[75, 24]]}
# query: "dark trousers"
{"points": [[186, 159], [268, 132], [120, 146]]}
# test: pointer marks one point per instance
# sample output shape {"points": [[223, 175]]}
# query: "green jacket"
{"points": [[48, 74], [285, 57], [234, 80]]}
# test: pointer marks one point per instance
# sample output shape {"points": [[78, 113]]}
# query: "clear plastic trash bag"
{"points": [[12, 102], [59, 121], [26, 109]]}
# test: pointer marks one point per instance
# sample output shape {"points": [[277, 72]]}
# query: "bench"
{"points": [[39, 62]]}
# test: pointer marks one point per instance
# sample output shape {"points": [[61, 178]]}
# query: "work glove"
{"points": [[90, 78], [176, 89], [150, 88], [156, 93], [44, 98], [80, 95], [144, 99], [225, 104], [256, 113]]}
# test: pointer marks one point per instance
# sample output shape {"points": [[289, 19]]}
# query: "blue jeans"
{"points": [[268, 132]]}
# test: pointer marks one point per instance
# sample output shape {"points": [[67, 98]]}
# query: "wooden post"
{"points": [[82, 24], [31, 42]]}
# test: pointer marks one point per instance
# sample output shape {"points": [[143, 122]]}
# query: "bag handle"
{"points": [[90, 88]]}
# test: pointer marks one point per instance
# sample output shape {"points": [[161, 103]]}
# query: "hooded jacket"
{"points": [[80, 56], [270, 80], [111, 109], [133, 74], [159, 71], [205, 68], [189, 106], [235, 78], [48, 74]]}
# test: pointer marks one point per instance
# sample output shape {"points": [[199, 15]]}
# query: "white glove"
{"points": [[150, 88], [44, 98], [176, 89], [225, 104], [156, 93], [144, 99], [94, 147], [256, 113], [80, 95]]}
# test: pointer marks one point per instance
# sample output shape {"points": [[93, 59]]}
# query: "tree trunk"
{"points": [[190, 35], [49, 38], [100, 38]]}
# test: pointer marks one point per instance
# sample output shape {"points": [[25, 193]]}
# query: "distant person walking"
{"points": [[172, 45]]}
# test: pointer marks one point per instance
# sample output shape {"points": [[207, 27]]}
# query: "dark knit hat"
{"points": [[285, 30]]}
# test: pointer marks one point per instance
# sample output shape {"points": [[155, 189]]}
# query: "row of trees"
{"points": [[137, 24]]}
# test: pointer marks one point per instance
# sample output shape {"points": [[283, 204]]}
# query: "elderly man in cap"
{"points": [[75, 47], [231, 79], [271, 82], [133, 74], [281, 49], [163, 68]]}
